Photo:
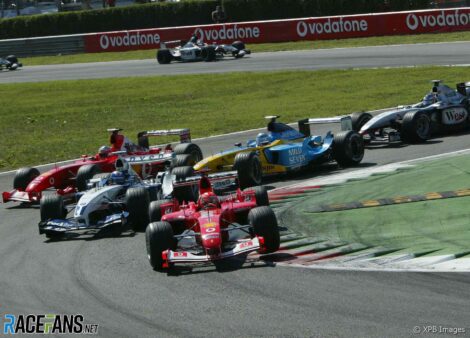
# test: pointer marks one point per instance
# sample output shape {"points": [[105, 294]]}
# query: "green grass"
{"points": [[267, 47], [439, 225], [60, 120]]}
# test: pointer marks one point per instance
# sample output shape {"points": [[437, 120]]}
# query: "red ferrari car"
{"points": [[29, 184], [212, 229]]}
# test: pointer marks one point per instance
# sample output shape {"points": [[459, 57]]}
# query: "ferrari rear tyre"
{"points": [[137, 204], [23, 177], [189, 149], [208, 53], [155, 210], [261, 195], [85, 173], [348, 148], [249, 170], [359, 119], [416, 127], [52, 207], [186, 193], [158, 238], [264, 223], [164, 56]]}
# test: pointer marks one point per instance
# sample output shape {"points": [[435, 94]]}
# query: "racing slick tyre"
{"points": [[359, 119], [189, 149], [208, 53], [158, 238], [238, 45], [416, 127], [23, 177], [12, 59], [264, 223], [155, 210], [85, 173], [187, 193], [261, 195], [348, 148], [249, 170], [52, 207], [137, 203], [164, 56]]}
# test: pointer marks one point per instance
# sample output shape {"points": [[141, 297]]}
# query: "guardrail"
{"points": [[321, 28]]}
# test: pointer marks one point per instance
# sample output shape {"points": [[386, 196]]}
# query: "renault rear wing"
{"points": [[345, 121]]}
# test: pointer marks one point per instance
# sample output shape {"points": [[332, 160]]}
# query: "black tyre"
{"points": [[137, 204], [155, 210], [184, 160], [85, 173], [164, 56], [187, 193], [359, 119], [158, 238], [23, 177], [416, 127], [348, 148], [208, 53], [189, 149], [12, 59], [264, 223], [238, 45], [261, 195], [52, 207], [248, 167]]}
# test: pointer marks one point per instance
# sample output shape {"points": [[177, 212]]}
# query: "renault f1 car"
{"points": [[283, 149], [10, 63], [147, 161], [441, 110], [211, 229], [195, 50]]}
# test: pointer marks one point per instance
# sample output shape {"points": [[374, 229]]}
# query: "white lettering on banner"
{"points": [[414, 21], [135, 39], [331, 26], [227, 33]]}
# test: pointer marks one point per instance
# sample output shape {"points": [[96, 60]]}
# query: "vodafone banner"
{"points": [[321, 28]]}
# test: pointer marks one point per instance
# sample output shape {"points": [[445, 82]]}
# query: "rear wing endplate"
{"points": [[345, 121]]}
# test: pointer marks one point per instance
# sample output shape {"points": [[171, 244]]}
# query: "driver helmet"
{"points": [[122, 165], [429, 99], [104, 151], [117, 177], [208, 199], [262, 139], [193, 39]]}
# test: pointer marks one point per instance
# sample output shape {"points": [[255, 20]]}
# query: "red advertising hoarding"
{"points": [[321, 28]]}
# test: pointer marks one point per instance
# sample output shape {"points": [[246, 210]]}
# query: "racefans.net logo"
{"points": [[47, 324]]}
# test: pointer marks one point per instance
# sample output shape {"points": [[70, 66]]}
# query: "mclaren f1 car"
{"points": [[10, 63]]}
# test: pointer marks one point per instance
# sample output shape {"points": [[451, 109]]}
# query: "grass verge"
{"points": [[266, 47], [50, 121]]}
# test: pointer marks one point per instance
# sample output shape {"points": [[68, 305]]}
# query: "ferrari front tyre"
{"points": [[85, 173], [348, 148], [164, 56], [359, 119], [155, 210], [158, 238], [261, 195], [208, 53], [416, 127], [185, 193], [264, 223], [137, 204], [189, 149], [249, 170], [52, 207], [23, 177]]}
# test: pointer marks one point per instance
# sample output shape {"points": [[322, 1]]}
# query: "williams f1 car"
{"points": [[283, 149], [195, 50], [10, 63], [212, 229], [147, 161], [441, 110]]}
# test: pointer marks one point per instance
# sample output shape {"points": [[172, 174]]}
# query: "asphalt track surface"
{"points": [[455, 53], [110, 282]]}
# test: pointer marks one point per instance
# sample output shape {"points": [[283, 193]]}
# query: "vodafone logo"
{"points": [[231, 33], [128, 39], [416, 21], [331, 26]]}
